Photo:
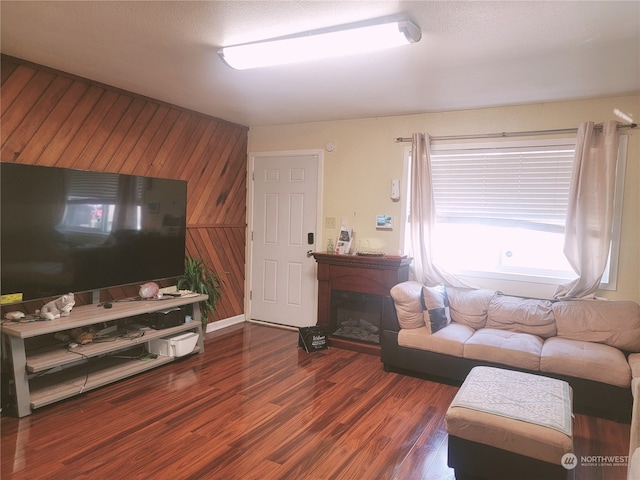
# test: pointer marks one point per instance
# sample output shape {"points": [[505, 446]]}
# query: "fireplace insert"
{"points": [[356, 316]]}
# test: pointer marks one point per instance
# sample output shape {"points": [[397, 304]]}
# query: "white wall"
{"points": [[358, 173]]}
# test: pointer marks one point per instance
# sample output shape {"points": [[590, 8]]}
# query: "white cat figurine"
{"points": [[60, 307]]}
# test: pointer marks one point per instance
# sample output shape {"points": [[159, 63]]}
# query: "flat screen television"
{"points": [[66, 230]]}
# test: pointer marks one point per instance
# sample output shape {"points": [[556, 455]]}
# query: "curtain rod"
{"points": [[508, 134]]}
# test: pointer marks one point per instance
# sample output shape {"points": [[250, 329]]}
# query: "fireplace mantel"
{"points": [[360, 274]]}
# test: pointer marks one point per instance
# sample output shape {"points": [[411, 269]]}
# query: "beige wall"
{"points": [[358, 172]]}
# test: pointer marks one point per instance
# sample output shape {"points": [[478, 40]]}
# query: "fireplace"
{"points": [[356, 316], [353, 293]]}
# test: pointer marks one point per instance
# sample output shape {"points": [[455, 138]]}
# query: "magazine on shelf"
{"points": [[343, 245]]}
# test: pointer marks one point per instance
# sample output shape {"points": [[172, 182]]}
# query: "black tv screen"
{"points": [[65, 230]]}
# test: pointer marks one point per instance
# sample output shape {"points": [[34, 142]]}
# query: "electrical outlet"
{"points": [[330, 222]]}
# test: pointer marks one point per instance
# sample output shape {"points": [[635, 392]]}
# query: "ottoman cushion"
{"points": [[519, 412]]}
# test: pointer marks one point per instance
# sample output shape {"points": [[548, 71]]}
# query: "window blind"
{"points": [[505, 186], [84, 187]]}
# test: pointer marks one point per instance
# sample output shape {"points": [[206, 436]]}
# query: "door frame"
{"points": [[250, 218]]}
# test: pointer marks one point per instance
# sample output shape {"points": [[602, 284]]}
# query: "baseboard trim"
{"points": [[224, 323], [270, 324]]}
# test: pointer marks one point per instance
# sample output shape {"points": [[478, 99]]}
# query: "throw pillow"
{"points": [[436, 305]]}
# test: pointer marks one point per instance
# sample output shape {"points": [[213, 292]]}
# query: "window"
{"points": [[501, 207]]}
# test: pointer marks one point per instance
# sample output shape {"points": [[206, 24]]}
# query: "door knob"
{"points": [[309, 253]]}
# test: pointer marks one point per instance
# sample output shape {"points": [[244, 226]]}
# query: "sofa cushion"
{"points": [[450, 340], [469, 306], [592, 361], [616, 323], [407, 298], [522, 315], [436, 304], [520, 350]]}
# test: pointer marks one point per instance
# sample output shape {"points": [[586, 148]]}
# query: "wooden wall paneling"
{"points": [[217, 192], [120, 127], [13, 78], [159, 136], [54, 151], [214, 246], [27, 94], [122, 153], [185, 158], [72, 157], [204, 187], [27, 113], [178, 133], [235, 262], [133, 163], [109, 135], [193, 165], [54, 118], [33, 152], [102, 132], [177, 152], [237, 195]]}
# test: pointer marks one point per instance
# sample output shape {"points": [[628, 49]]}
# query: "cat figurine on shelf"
{"points": [[60, 307]]}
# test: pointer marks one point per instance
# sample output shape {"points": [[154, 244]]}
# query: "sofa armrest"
{"points": [[407, 299], [389, 315]]}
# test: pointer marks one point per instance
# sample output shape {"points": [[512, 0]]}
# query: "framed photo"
{"points": [[384, 222]]}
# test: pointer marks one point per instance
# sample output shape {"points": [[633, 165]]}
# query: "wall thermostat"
{"points": [[395, 189], [330, 146]]}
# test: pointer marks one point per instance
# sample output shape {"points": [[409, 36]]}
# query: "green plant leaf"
{"points": [[199, 278]]}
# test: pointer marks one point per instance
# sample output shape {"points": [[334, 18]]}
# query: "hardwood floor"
{"points": [[254, 406]]}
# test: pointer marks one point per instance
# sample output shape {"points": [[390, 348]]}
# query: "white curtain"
{"points": [[422, 216], [590, 210]]}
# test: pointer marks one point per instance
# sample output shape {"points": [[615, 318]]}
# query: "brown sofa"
{"points": [[585, 342]]}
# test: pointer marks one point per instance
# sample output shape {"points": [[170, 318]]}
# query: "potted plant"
{"points": [[199, 278]]}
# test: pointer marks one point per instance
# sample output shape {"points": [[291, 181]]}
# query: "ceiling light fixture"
{"points": [[339, 41]]}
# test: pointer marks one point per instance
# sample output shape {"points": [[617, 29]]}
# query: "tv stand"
{"points": [[50, 371]]}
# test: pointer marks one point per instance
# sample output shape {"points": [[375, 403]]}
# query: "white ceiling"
{"points": [[472, 54]]}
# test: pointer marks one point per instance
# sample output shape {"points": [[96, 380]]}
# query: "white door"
{"points": [[283, 282]]}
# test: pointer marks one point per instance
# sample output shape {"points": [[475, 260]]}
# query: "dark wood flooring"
{"points": [[254, 406]]}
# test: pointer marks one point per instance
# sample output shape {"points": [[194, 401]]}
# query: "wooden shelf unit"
{"points": [[54, 372]]}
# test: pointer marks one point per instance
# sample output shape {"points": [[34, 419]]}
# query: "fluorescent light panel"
{"points": [[337, 42]]}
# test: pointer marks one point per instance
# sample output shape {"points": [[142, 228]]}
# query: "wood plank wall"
{"points": [[55, 119]]}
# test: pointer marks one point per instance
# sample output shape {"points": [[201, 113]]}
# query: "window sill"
{"points": [[535, 286]]}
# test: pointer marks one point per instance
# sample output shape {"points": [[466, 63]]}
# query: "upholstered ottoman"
{"points": [[505, 424]]}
